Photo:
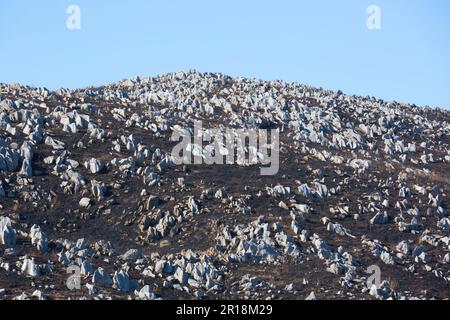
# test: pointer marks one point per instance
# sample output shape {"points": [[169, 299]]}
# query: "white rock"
{"points": [[85, 202], [444, 224], [146, 293], [380, 218], [311, 296], [39, 238], [101, 277], [26, 170], [30, 268], [91, 288], [181, 276], [39, 294], [131, 255], [86, 268], [7, 233], [387, 258], [447, 258], [122, 281], [94, 165]]}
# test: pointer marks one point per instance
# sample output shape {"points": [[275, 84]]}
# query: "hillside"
{"points": [[87, 180]]}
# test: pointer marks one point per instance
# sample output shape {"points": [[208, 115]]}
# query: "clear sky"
{"points": [[323, 43]]}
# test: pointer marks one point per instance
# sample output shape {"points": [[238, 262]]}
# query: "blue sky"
{"points": [[323, 43]]}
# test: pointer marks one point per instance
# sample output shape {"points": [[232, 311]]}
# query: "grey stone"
{"points": [[94, 165], [7, 233], [30, 268], [85, 202], [380, 218], [39, 238], [101, 277]]}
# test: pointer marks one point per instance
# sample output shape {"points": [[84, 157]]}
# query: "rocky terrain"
{"points": [[87, 187]]}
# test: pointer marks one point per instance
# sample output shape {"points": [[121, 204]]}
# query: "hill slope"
{"points": [[86, 180]]}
